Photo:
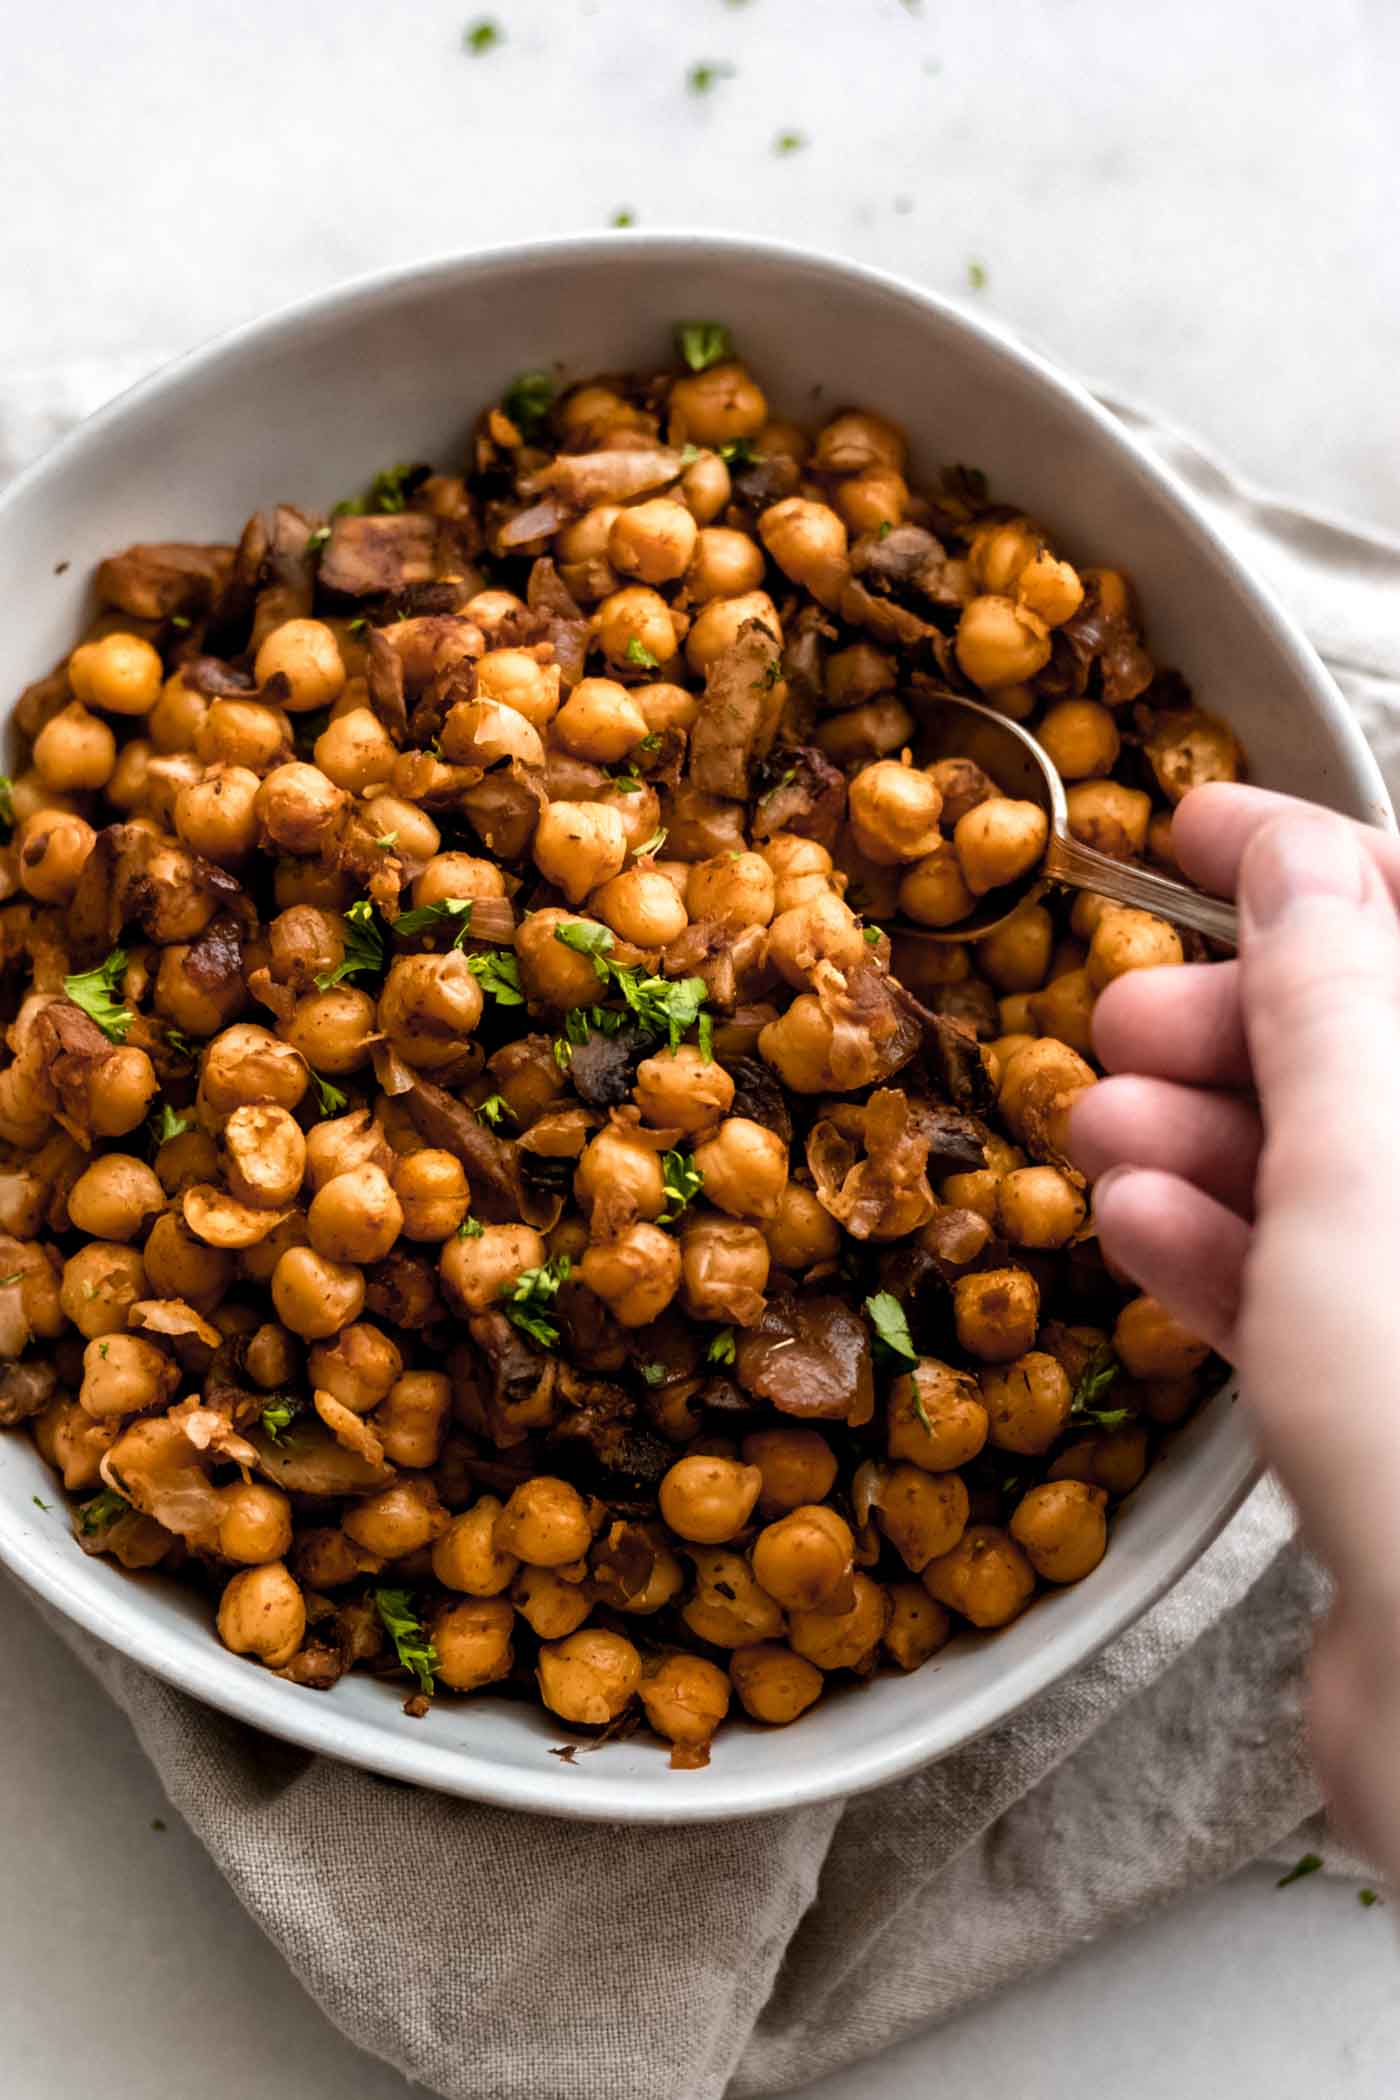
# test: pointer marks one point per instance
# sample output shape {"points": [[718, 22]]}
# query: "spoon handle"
{"points": [[1085, 869]]}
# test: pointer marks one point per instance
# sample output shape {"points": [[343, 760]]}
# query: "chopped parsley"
{"points": [[470, 1229], [654, 1374], [650, 742], [1308, 1864], [1094, 1380], [721, 1349], [39, 1503], [426, 915], [179, 1042], [629, 781], [885, 529], [409, 1636], [524, 1302], [587, 939], [701, 78], [652, 845], [388, 492], [15, 1276], [364, 946], [483, 36], [789, 142], [682, 1181], [316, 540], [280, 1413], [662, 1005], [1367, 1898], [703, 343], [330, 1098], [498, 974], [359, 625], [886, 1316], [7, 801], [528, 400], [977, 276], [386, 841], [623, 218], [168, 1124], [872, 935], [737, 452], [493, 1108], [637, 653], [92, 990], [100, 1511]]}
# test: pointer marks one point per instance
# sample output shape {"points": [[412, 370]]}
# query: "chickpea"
{"points": [[553, 973], [708, 1500], [271, 1357], [623, 1172], [799, 1230], [475, 1272], [241, 733], [859, 673], [298, 808], [636, 1275], [265, 1153], [642, 905], [579, 846], [306, 654], [725, 564], [355, 750], [702, 826], [717, 626], [894, 811], [633, 624], [805, 1559], [256, 1525], [457, 875], [484, 732], [1149, 1341], [843, 1640], [1127, 940], [550, 1607], [653, 540], [74, 750], [1114, 1459], [999, 841], [1001, 643], [772, 1683], [400, 1519], [600, 720], [744, 1167], [121, 674], [115, 1198], [1064, 1010], [332, 1029], [177, 716], [101, 1282], [934, 892], [1027, 1402], [262, 1613], [431, 1187], [120, 1092], [164, 779], [467, 1557], [879, 496], [1110, 817], [716, 406], [1038, 1207], [589, 1676], [1062, 1528], [356, 1217], [473, 1644], [729, 1608], [858, 440], [359, 1368], [737, 890], [665, 706], [248, 1063], [1016, 957], [986, 1579], [53, 847], [545, 1523], [317, 882], [1038, 1088], [218, 815], [935, 1418], [513, 678], [685, 1698], [315, 1296], [724, 1268], [679, 1089], [922, 1514], [70, 1441], [429, 1005], [343, 1142], [586, 540], [797, 1466], [996, 1312], [808, 542], [1080, 739], [124, 1374], [802, 870], [918, 1626], [705, 487], [416, 836]]}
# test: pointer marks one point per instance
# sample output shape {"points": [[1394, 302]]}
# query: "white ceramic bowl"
{"points": [[308, 405]]}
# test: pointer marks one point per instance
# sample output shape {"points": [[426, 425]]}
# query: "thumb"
{"points": [[1319, 1338]]}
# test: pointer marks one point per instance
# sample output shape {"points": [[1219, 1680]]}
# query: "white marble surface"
{"points": [[1187, 206]]}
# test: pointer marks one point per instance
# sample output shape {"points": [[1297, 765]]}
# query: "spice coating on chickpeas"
{"points": [[472, 1165]]}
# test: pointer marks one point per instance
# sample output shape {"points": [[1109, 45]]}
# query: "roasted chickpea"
{"points": [[1016, 957], [256, 1525], [431, 1187], [642, 905], [359, 1368], [1080, 739], [1027, 1402], [266, 1154], [922, 1514], [996, 1312], [400, 1519], [218, 815], [986, 1579], [1127, 940], [297, 808], [635, 624], [599, 721], [101, 1282], [843, 1640], [618, 1171], [737, 890], [120, 1091], [999, 841], [550, 1606], [918, 1628], [74, 750], [800, 1231], [53, 848], [773, 1684], [652, 540], [636, 1275], [475, 1271], [177, 716], [1038, 1207], [124, 1374], [857, 440], [1114, 1459], [798, 1047], [306, 655], [878, 497], [115, 1198], [467, 1557], [725, 564], [355, 750], [249, 1063], [1150, 1342], [473, 1644], [718, 624], [729, 1608], [1001, 643], [314, 1295], [589, 1676], [579, 846], [1038, 1089], [935, 1418], [708, 1500], [808, 542], [934, 892], [894, 811], [552, 972], [857, 674], [1110, 817], [1062, 1529], [343, 1142], [1189, 748], [797, 1466], [744, 1167], [805, 1559], [724, 1268], [685, 1698], [241, 733], [716, 406], [429, 1005], [262, 1613], [332, 1029], [121, 674], [356, 1217], [802, 870], [1064, 1010]]}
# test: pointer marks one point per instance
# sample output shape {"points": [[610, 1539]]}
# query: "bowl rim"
{"points": [[224, 1681]]}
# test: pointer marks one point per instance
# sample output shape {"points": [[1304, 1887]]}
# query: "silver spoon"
{"points": [[958, 728]]}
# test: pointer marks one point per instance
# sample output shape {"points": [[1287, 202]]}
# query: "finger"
{"points": [[1209, 1139], [1179, 1244], [1182, 1024], [1214, 824], [1320, 992]]}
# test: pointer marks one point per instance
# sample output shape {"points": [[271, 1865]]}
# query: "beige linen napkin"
{"points": [[505, 1957]]}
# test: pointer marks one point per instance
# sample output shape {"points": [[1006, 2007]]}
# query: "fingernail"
{"points": [[1300, 857]]}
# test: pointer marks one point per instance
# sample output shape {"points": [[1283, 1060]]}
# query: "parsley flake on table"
{"points": [[707, 74], [483, 36], [977, 276], [426, 915], [524, 1302], [703, 343], [364, 946], [789, 142], [92, 990], [409, 1636], [1308, 1864]]}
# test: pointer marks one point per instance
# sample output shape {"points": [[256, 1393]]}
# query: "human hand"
{"points": [[1247, 1161]]}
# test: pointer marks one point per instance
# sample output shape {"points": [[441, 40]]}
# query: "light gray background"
{"points": [[1191, 206]]}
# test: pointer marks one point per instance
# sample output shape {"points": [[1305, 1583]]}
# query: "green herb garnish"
{"points": [[682, 1181], [280, 1413], [654, 1374], [1094, 1380], [703, 343], [705, 1037], [7, 801], [623, 218], [737, 452], [15, 1276], [388, 493], [470, 1229], [330, 1098], [587, 939], [629, 781], [498, 973], [977, 276], [721, 1349], [179, 1042], [39, 1503], [426, 915], [886, 1316], [1367, 1898], [524, 1301], [316, 540], [652, 845], [92, 990], [364, 946], [168, 1124], [650, 742], [100, 1511], [700, 79], [528, 400], [483, 36], [637, 653], [789, 142], [409, 1636], [493, 1108], [1308, 1864]]}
